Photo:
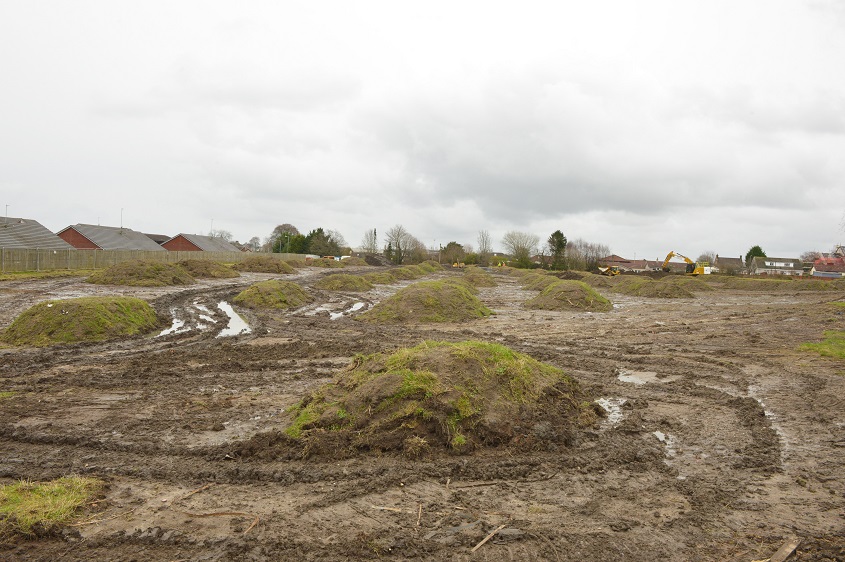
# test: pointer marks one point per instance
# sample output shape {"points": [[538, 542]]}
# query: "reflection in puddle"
{"points": [[236, 325], [177, 327], [354, 308], [669, 440], [613, 407]]}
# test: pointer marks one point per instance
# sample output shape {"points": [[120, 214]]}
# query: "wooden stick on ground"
{"points": [[786, 550], [419, 516], [198, 490], [488, 537]]}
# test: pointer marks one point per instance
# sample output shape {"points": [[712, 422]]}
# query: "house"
{"points": [[28, 234], [158, 238], [728, 265], [775, 266], [95, 237], [197, 243], [828, 266]]}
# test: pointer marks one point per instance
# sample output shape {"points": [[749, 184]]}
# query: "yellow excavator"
{"points": [[693, 267], [610, 270]]}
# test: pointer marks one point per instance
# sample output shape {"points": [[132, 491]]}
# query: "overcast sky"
{"points": [[647, 126]]}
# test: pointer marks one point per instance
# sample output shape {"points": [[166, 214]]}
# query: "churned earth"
{"points": [[722, 440]]}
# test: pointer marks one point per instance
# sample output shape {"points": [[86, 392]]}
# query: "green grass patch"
{"points": [[354, 261], [79, 320], [428, 302], [29, 509], [343, 282], [143, 273], [648, 287], [204, 269], [832, 346], [380, 278], [451, 396], [326, 262], [273, 294], [569, 295], [264, 264], [6, 394], [478, 277], [53, 273], [407, 273]]}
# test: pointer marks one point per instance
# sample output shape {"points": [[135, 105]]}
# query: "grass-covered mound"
{"points": [[537, 281], [142, 273], [569, 295], [594, 280], [406, 273], [297, 264], [84, 319], [462, 282], [264, 264], [273, 294], [479, 277], [380, 278], [442, 396], [694, 284], [354, 261], [38, 509], [431, 266], [325, 262], [428, 301], [647, 287], [204, 269], [780, 285], [343, 282]]}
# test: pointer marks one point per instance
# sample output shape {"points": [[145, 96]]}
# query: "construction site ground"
{"points": [[723, 440]]}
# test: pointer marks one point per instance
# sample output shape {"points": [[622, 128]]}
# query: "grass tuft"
{"points": [[273, 294], [28, 508]]}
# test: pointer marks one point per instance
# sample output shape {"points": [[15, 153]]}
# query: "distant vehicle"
{"points": [[693, 267], [610, 271]]}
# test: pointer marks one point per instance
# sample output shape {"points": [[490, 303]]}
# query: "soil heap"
{"points": [[569, 295], [479, 278], [647, 287], [354, 261], [204, 269], [537, 281], [428, 301], [343, 282], [87, 319], [273, 294], [443, 396], [142, 273], [264, 264], [325, 262], [380, 278]]}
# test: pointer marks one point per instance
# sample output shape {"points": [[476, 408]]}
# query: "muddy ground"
{"points": [[723, 442]]}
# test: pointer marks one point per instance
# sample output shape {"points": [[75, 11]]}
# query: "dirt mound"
{"points": [[537, 281], [343, 282], [81, 320], [568, 275], [143, 273], [462, 282], [325, 262], [297, 264], [273, 294], [443, 396], [569, 295], [433, 265], [354, 261], [380, 278], [264, 264], [594, 280], [428, 301], [689, 283], [479, 277], [647, 287], [203, 269], [780, 285], [406, 273]]}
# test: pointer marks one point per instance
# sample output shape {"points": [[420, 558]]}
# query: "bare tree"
{"points": [[521, 246], [399, 244], [337, 238], [219, 233], [369, 243], [254, 243], [585, 255], [810, 255], [708, 256], [485, 247]]}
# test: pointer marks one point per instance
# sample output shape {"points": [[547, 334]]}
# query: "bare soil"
{"points": [[723, 440]]}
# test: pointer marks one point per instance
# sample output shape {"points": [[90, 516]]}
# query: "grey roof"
{"points": [[158, 238], [723, 262], [116, 238], [759, 262], [28, 234], [208, 243]]}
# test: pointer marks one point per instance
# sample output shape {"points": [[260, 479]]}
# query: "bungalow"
{"points": [[28, 234], [775, 266], [95, 237], [158, 238], [197, 243], [728, 265], [828, 266]]}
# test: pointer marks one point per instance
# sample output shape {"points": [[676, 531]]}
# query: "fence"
{"points": [[13, 260]]}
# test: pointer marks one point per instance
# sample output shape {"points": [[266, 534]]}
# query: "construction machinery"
{"points": [[693, 267], [610, 270]]}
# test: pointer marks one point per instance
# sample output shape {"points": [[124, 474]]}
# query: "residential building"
{"points": [[775, 266], [29, 234], [196, 243], [95, 237]]}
